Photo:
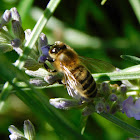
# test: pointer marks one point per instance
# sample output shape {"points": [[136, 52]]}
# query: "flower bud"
{"points": [[123, 89], [32, 64], [107, 107], [45, 50], [114, 108], [17, 29], [117, 106], [88, 110], [15, 133], [38, 82], [15, 14], [119, 102], [29, 130], [13, 129], [16, 42], [5, 45], [40, 73], [62, 103], [43, 41], [5, 48], [100, 107], [114, 88], [104, 88], [51, 79], [6, 17], [15, 136], [27, 33], [113, 97]]}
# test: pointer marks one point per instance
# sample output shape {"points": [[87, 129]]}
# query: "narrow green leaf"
{"points": [[83, 123], [133, 59], [136, 7], [103, 2], [122, 124], [116, 76], [4, 94]]}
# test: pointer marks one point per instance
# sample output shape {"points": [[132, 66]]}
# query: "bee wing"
{"points": [[71, 84], [98, 66], [70, 89]]}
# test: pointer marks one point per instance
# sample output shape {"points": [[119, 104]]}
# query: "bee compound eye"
{"points": [[64, 47], [55, 50]]}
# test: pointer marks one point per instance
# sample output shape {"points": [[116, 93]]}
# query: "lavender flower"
{"points": [[88, 110], [16, 42], [45, 54], [100, 107], [6, 17], [18, 30], [42, 59], [123, 89], [43, 41], [29, 132], [45, 50], [113, 97], [15, 14], [104, 88], [63, 103], [15, 133], [131, 108]]}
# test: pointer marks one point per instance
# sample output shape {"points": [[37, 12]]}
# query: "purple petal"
{"points": [[42, 59], [137, 116], [45, 50], [137, 104], [131, 109]]}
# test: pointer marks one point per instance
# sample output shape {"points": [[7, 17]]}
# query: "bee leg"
{"points": [[60, 81], [48, 69]]}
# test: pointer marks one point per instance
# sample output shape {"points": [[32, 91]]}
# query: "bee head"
{"points": [[56, 49]]}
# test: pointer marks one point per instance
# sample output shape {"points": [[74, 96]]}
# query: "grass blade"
{"points": [[122, 124], [136, 7], [116, 76], [133, 59], [23, 8]]}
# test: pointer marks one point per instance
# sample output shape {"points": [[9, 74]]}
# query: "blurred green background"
{"points": [[101, 32]]}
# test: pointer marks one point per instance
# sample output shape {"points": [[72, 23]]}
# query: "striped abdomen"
{"points": [[88, 87]]}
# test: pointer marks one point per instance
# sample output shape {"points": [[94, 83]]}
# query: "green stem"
{"points": [[103, 2], [122, 124], [5, 93], [116, 76], [136, 7]]}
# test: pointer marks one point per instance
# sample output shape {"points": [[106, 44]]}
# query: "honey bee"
{"points": [[76, 76]]}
